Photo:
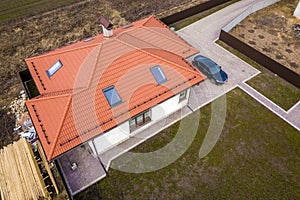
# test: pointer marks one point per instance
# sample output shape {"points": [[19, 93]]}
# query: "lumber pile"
{"points": [[20, 177], [46, 165]]}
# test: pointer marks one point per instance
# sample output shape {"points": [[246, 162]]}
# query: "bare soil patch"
{"points": [[271, 31], [136, 9]]}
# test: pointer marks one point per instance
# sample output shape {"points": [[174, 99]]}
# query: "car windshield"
{"points": [[212, 66]]}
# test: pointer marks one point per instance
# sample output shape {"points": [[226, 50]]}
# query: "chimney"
{"points": [[107, 27]]}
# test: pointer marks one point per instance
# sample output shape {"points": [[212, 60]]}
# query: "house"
{"points": [[104, 89]]}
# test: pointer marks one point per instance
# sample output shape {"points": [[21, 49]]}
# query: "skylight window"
{"points": [[127, 26], [54, 68], [112, 96], [158, 74], [89, 39]]}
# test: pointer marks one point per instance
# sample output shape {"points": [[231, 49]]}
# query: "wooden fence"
{"points": [[261, 58], [192, 11]]}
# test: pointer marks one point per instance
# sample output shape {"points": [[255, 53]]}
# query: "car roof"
{"points": [[207, 62], [199, 57]]}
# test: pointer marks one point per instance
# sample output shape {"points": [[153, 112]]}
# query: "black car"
{"points": [[211, 69]]}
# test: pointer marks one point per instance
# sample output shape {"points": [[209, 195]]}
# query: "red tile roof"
{"points": [[72, 107]]}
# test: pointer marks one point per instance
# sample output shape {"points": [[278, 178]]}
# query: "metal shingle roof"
{"points": [[73, 108]]}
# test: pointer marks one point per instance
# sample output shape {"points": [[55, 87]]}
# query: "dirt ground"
{"points": [[29, 37], [271, 31], [133, 10]]}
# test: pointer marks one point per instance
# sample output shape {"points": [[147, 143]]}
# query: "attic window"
{"points": [[127, 26], [89, 39], [54, 68], [112, 96], [158, 74]]}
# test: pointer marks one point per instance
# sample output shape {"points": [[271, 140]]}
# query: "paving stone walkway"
{"points": [[291, 116]]}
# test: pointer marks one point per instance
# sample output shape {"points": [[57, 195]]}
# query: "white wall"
{"points": [[122, 132], [111, 138], [168, 107]]}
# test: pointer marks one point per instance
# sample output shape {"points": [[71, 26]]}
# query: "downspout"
{"points": [[189, 100]]}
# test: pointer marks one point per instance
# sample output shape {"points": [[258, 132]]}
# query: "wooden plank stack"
{"points": [[46, 165], [20, 177]]}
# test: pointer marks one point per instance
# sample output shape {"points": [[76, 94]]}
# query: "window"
{"points": [[127, 26], [54, 68], [140, 120], [112, 96], [158, 74], [182, 95], [89, 39]]}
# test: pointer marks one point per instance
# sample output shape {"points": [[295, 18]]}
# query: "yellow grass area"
{"points": [[271, 32]]}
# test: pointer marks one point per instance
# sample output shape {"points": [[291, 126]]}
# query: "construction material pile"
{"points": [[23, 127]]}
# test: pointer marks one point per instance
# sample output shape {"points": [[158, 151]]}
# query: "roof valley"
{"points": [[160, 58]]}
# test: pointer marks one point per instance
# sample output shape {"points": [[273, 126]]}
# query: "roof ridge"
{"points": [[43, 98], [148, 19], [60, 127], [82, 47], [95, 67], [149, 28], [155, 18], [90, 79], [160, 58], [154, 46], [59, 92]]}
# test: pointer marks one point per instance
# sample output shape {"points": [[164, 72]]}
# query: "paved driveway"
{"points": [[202, 35]]}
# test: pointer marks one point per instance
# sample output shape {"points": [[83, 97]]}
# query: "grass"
{"points": [[62, 191], [249, 160], [185, 22], [11, 9], [256, 157], [270, 85]]}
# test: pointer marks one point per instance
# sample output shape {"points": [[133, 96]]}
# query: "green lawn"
{"points": [[256, 157], [270, 85], [11, 9]]}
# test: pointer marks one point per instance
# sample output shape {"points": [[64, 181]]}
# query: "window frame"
{"points": [[54, 68], [112, 104], [145, 119], [185, 95], [157, 67]]}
